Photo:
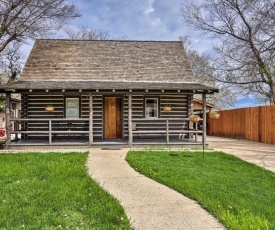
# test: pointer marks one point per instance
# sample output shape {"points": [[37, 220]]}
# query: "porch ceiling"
{"points": [[106, 85]]}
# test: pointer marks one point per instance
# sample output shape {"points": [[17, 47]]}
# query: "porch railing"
{"points": [[50, 127], [167, 127], [182, 128]]}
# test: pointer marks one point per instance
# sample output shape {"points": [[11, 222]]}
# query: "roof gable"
{"points": [[107, 60]]}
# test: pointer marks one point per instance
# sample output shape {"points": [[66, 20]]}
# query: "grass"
{"points": [[54, 191], [241, 195]]}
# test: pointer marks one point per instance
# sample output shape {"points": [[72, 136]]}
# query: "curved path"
{"points": [[148, 204]]}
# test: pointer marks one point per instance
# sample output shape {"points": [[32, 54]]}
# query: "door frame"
{"points": [[121, 115]]}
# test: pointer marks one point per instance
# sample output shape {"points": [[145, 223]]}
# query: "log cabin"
{"points": [[105, 92]]}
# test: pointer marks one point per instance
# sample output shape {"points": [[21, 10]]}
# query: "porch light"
{"points": [[63, 90], [47, 90], [30, 90], [178, 91], [162, 91], [97, 90], [146, 90], [80, 90], [114, 90], [130, 90]]}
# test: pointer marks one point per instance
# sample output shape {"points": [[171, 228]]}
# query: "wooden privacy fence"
{"points": [[254, 124]]}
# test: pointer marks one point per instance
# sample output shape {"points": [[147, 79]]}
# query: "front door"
{"points": [[112, 118]]}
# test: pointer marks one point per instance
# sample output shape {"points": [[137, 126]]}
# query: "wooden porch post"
{"points": [[50, 132], [204, 120], [91, 132], [8, 122], [167, 131], [190, 109], [130, 130]]}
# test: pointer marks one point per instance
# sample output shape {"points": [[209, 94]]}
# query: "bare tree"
{"points": [[202, 71], [244, 36], [11, 61], [85, 33], [23, 19]]}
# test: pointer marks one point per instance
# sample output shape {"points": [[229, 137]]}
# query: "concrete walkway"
{"points": [[254, 152], [148, 204]]}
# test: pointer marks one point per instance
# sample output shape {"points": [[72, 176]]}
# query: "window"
{"points": [[72, 107], [151, 107]]}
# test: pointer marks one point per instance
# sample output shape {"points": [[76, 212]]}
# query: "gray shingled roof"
{"points": [[122, 65], [107, 60]]}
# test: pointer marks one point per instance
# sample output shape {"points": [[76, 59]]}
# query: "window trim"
{"points": [[79, 107], [158, 108]]}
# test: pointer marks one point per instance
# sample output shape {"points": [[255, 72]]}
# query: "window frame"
{"points": [[157, 109], [66, 108]]}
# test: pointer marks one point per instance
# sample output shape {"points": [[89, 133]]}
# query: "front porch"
{"points": [[79, 132], [123, 122]]}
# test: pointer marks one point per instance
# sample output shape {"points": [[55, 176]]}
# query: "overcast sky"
{"points": [[138, 20]]}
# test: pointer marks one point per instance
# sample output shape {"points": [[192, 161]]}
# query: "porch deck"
{"points": [[137, 142]]}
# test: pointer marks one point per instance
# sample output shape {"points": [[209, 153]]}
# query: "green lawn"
{"points": [[54, 191], [239, 194]]}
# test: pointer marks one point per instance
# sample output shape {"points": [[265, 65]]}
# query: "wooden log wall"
{"points": [[33, 106], [254, 124], [178, 102], [97, 113]]}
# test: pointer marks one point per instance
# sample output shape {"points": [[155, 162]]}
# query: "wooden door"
{"points": [[112, 118]]}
